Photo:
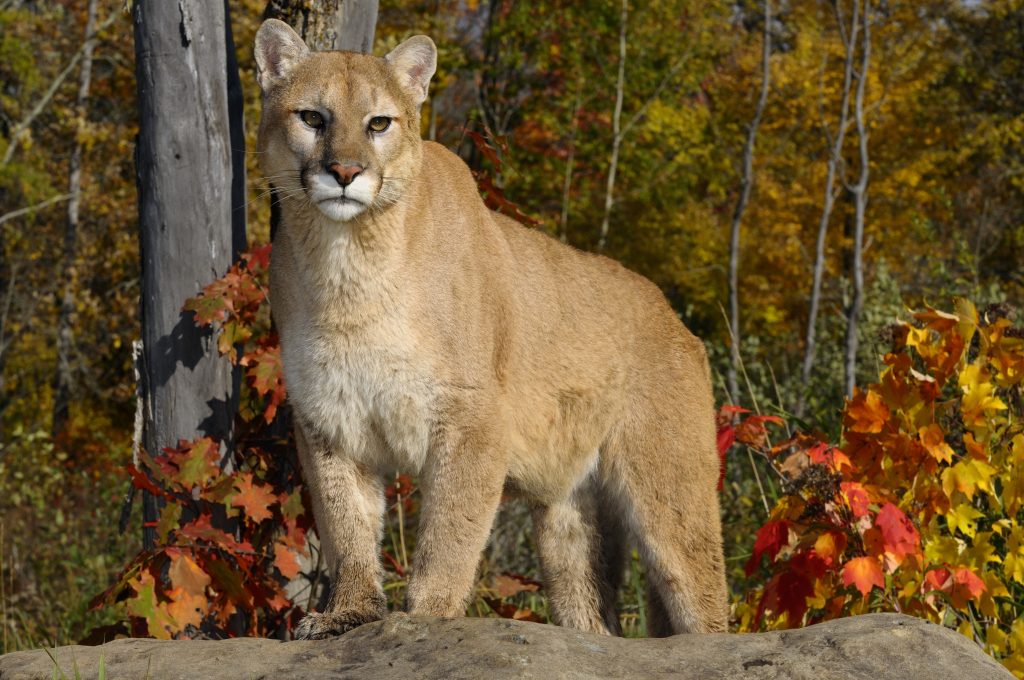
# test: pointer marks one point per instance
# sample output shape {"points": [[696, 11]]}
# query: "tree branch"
{"points": [[44, 101]]}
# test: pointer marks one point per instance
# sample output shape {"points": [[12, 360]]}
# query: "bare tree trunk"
{"points": [[191, 223], [574, 126], [63, 378], [859, 191], [613, 164], [746, 184], [324, 25], [329, 24], [849, 39]]}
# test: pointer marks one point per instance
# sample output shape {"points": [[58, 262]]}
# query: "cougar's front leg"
{"points": [[461, 485], [348, 503]]}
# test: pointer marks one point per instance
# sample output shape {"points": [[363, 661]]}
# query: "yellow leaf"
{"points": [[995, 638], [979, 401], [994, 588], [964, 518], [1013, 483], [1013, 564], [941, 549], [981, 552], [967, 476]]}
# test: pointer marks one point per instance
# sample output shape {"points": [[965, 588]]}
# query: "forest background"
{"points": [[654, 133]]}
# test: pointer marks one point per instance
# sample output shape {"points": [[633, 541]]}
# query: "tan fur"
{"points": [[430, 335]]}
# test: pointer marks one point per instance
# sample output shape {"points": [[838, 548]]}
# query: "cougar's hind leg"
{"points": [[348, 503], [659, 623], [666, 468], [610, 561]]}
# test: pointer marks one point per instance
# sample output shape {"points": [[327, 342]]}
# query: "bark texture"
{"points": [[329, 24], [191, 183]]}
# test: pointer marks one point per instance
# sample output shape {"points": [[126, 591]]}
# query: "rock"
{"points": [[875, 646]]}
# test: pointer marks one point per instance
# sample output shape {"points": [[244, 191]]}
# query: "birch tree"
{"points": [[746, 184], [63, 378], [848, 35], [617, 134], [859, 192]]}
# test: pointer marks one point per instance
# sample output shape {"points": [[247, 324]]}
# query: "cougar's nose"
{"points": [[344, 174]]}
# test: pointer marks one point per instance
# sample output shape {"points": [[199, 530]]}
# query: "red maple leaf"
{"points": [[857, 497], [898, 532], [258, 257], [771, 538], [787, 592], [966, 586]]}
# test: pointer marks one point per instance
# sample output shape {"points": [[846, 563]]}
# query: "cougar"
{"points": [[422, 332]]}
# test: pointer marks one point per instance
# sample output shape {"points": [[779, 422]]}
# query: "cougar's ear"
{"points": [[278, 50], [414, 62]]}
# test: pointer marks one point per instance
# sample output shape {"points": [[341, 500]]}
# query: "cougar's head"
{"points": [[340, 130]]}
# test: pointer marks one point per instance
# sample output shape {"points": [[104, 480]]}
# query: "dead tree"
{"points": [[329, 24], [191, 182]]}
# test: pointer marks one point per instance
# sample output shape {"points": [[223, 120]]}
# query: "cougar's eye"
{"points": [[379, 123], [312, 118]]}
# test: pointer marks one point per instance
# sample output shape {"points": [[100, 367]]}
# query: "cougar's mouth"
{"points": [[341, 200]]}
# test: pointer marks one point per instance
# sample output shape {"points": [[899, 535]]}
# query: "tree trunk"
{"points": [[63, 378], [613, 163], [859, 192], [191, 217], [570, 162], [324, 25], [329, 24], [849, 39], [746, 184]]}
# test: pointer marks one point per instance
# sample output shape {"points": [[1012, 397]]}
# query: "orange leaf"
{"points": [[867, 413], [934, 442], [864, 573], [509, 584], [255, 499], [186, 574], [285, 561], [186, 608], [830, 546]]}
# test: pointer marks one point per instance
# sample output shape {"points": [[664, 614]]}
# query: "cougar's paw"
{"points": [[331, 624]]}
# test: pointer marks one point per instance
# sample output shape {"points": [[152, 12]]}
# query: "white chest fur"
{"points": [[367, 394]]}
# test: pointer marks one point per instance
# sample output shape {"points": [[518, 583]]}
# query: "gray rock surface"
{"points": [[875, 647]]}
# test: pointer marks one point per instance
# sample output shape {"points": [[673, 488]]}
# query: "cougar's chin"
{"points": [[342, 208]]}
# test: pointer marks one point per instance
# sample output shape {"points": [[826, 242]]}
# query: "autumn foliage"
{"points": [[918, 510], [232, 527]]}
